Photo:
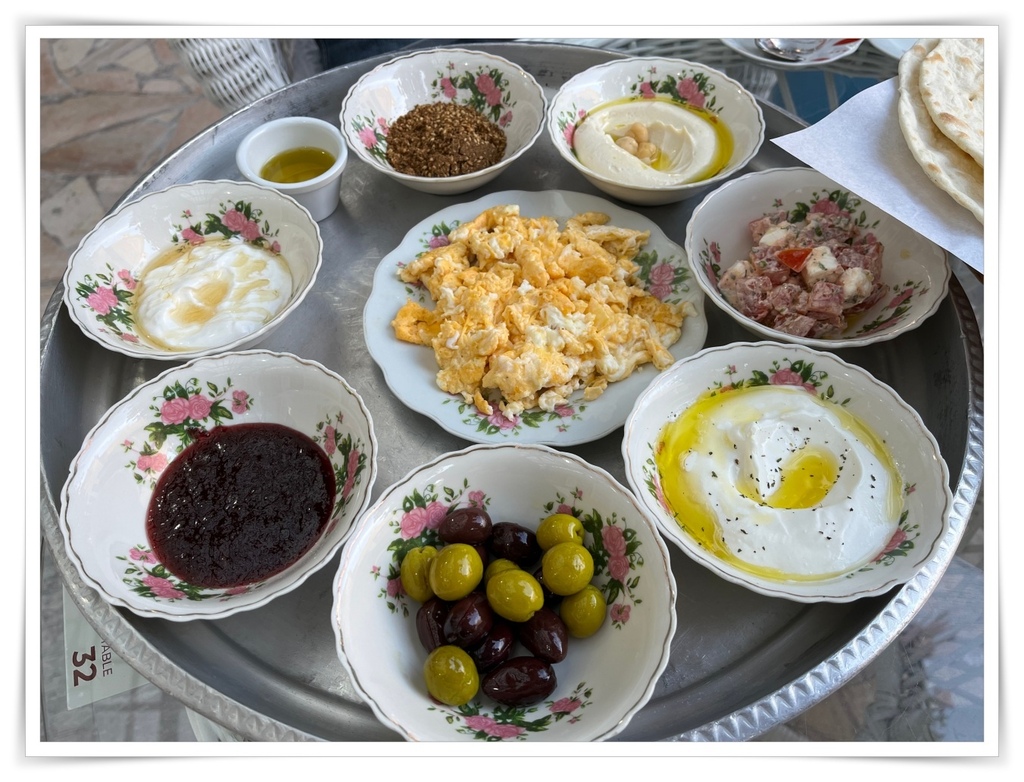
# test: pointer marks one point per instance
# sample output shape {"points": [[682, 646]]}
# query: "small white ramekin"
{"points": [[319, 195]]}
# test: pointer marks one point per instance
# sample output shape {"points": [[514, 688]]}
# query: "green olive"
{"points": [[583, 612], [515, 595], [567, 568], [414, 573], [496, 566], [451, 675], [455, 571], [559, 528]]}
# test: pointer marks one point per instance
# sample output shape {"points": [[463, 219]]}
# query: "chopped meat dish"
{"points": [[806, 277]]}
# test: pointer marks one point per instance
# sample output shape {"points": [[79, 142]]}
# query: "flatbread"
{"points": [[953, 89], [948, 166]]}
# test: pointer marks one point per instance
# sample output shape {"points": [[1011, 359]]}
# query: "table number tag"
{"points": [[93, 671]]}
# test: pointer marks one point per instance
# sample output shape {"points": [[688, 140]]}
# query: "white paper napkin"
{"points": [[860, 145]]}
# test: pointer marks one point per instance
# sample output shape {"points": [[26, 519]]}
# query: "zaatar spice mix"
{"points": [[443, 139]]}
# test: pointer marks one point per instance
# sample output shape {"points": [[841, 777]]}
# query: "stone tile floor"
{"points": [[111, 109]]}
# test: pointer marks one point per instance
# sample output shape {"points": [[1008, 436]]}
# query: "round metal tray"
{"points": [[740, 664]]}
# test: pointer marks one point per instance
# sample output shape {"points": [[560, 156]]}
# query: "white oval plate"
{"points": [[410, 370]]}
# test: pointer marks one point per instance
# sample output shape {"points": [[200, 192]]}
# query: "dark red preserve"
{"points": [[240, 504]]}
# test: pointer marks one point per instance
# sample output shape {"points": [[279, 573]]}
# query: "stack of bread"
{"points": [[941, 113]]}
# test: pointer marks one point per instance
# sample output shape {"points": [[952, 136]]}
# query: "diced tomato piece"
{"points": [[794, 257]]}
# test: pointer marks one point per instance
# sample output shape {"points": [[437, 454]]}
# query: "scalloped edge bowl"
{"points": [[915, 269], [623, 78], [927, 496], [374, 621], [111, 480], [397, 86], [102, 274]]}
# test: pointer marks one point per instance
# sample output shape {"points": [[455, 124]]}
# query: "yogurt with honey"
{"points": [[202, 296], [693, 144], [780, 483]]}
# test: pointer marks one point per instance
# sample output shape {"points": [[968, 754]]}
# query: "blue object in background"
{"points": [[810, 94]]}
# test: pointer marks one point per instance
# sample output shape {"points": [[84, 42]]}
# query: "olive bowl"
{"points": [[106, 499], [375, 619]]}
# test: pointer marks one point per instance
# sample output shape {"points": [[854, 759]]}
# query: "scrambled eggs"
{"points": [[527, 313]]}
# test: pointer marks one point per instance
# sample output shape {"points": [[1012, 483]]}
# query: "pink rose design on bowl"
{"points": [[199, 407], [490, 726], [161, 587], [897, 539], [174, 411], [787, 377], [613, 541], [239, 401], [826, 207], [329, 440], [152, 462], [368, 137], [418, 519], [192, 237], [618, 568], [352, 470], [102, 300], [565, 705], [689, 91]]}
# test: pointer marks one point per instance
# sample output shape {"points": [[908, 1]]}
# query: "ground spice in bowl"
{"points": [[443, 139]]}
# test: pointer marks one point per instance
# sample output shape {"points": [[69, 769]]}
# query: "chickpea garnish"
{"points": [[638, 130], [647, 152], [629, 144], [636, 141]]}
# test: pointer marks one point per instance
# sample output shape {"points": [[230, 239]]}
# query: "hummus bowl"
{"points": [[500, 90], [699, 127], [375, 619], [193, 270], [788, 471], [914, 275], [106, 502]]}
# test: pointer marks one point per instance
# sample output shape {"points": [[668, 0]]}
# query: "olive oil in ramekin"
{"points": [[297, 165]]}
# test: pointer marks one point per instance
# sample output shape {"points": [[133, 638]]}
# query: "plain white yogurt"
{"points": [[211, 294]]}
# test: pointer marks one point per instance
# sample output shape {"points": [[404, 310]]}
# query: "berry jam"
{"points": [[240, 504]]}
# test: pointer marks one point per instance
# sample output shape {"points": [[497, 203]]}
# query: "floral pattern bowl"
{"points": [[500, 90], [914, 270], [103, 276], [105, 500], [922, 488], [649, 78], [375, 621]]}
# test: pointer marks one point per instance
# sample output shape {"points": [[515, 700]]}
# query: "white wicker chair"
{"points": [[234, 72]]}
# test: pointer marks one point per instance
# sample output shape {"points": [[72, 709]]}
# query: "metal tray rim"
{"points": [[742, 724]]}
